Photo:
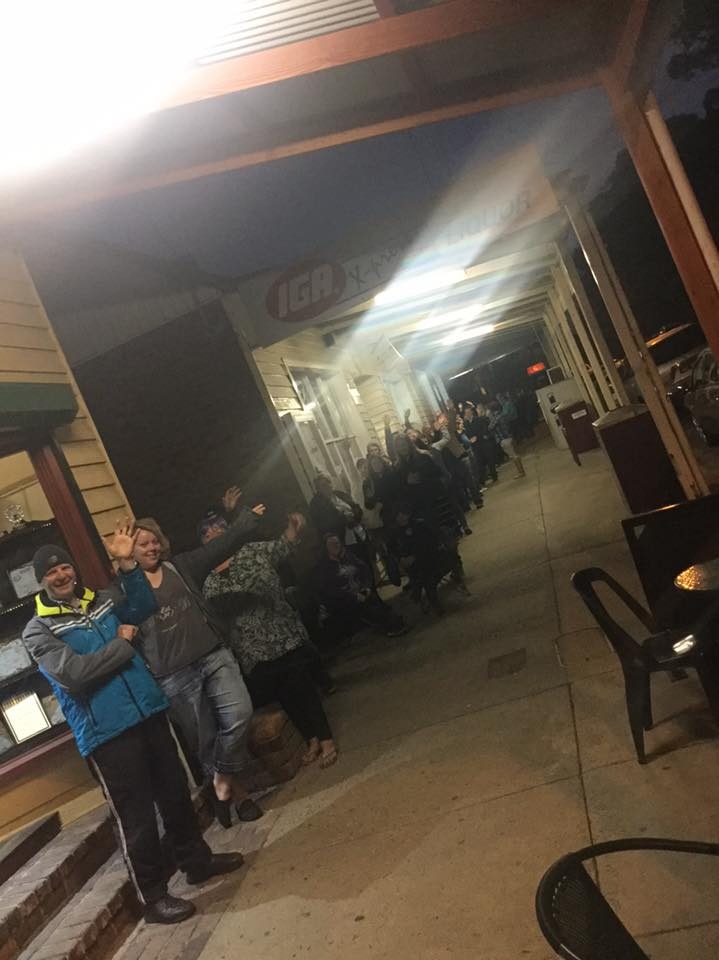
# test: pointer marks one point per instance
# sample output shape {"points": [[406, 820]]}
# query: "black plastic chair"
{"points": [[662, 652], [573, 914]]}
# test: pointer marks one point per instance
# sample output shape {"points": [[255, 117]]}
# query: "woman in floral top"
{"points": [[268, 636]]}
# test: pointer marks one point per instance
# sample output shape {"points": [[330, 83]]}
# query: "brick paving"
{"points": [[186, 941], [37, 891]]}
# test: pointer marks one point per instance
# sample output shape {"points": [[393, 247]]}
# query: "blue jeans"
{"points": [[210, 702]]}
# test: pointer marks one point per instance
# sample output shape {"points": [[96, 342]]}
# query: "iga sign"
{"points": [[305, 291], [485, 204]]}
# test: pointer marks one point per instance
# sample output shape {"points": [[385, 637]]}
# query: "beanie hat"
{"points": [[213, 518], [48, 557]]}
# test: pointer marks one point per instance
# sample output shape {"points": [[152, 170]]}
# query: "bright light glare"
{"points": [[74, 70], [473, 333], [420, 283], [454, 317], [462, 373]]}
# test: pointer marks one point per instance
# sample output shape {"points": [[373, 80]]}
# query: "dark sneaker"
{"points": [[223, 812], [218, 864], [169, 910], [248, 810]]}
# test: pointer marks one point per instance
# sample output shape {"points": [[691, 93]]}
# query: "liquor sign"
{"points": [[487, 203]]}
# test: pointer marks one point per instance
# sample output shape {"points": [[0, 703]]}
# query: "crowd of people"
{"points": [[205, 636]]}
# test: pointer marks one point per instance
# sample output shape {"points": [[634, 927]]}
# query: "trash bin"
{"points": [[575, 418], [640, 460]]}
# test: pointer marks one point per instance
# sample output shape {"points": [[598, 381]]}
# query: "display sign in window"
{"points": [[24, 716], [23, 581]]}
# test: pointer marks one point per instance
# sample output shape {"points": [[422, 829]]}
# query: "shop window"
{"points": [[332, 428]]}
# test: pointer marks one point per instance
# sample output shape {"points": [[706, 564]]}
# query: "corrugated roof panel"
{"points": [[272, 24]]}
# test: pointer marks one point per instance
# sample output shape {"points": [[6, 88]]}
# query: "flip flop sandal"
{"points": [[248, 810], [327, 759]]}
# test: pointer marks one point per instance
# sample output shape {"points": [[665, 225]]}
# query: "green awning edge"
{"points": [[31, 405]]}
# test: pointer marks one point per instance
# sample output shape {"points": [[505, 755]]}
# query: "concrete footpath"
{"points": [[475, 751]]}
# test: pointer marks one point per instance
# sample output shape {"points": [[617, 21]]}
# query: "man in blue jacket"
{"points": [[82, 643]]}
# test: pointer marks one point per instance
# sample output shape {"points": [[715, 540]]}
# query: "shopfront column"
{"points": [[580, 363], [71, 514], [557, 345], [590, 318], [672, 199], [648, 380], [571, 365], [595, 363], [549, 346]]}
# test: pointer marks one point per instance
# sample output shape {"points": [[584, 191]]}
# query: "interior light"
{"points": [[417, 284], [685, 644], [473, 333], [72, 72]]}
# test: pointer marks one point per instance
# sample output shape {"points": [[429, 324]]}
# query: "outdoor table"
{"points": [[701, 577]]}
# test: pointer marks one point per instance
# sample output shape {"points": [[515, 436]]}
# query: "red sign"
{"points": [[305, 291], [536, 368]]}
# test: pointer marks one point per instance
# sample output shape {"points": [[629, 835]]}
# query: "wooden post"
{"points": [[558, 341], [648, 379], [576, 364], [550, 336], [675, 167], [546, 341], [71, 514], [576, 287], [567, 301], [580, 363], [672, 200]]}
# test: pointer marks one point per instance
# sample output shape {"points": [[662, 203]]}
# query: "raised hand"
{"points": [[122, 543], [259, 509], [296, 524], [230, 498]]}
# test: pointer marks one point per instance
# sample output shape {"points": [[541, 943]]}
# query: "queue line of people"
{"points": [[202, 637], [207, 635]]}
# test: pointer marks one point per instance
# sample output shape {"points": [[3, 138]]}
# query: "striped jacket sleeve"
{"points": [[75, 672]]}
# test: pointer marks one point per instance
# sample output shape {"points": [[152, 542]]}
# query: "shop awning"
{"points": [[35, 406], [290, 77]]}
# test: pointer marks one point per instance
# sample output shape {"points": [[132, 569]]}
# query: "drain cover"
{"points": [[507, 664]]}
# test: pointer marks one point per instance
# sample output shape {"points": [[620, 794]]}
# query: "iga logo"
{"points": [[306, 291]]}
